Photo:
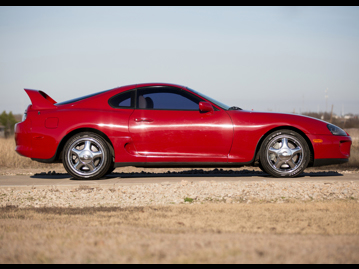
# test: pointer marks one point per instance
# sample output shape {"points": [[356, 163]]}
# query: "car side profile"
{"points": [[169, 125]]}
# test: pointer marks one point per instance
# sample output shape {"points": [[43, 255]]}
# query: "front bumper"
{"points": [[330, 149]]}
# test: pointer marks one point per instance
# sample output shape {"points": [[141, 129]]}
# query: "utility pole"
{"points": [[326, 103], [303, 110], [326, 100], [331, 114]]}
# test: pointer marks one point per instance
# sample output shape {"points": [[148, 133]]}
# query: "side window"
{"points": [[168, 98], [123, 100]]}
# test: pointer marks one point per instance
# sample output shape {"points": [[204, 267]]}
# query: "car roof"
{"points": [[140, 85], [157, 84], [116, 90]]}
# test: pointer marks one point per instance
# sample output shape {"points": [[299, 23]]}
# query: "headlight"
{"points": [[335, 130]]}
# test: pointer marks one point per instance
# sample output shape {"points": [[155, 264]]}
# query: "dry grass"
{"points": [[354, 134], [315, 232]]}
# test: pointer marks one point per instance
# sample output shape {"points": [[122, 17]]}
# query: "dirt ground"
{"points": [[313, 232]]}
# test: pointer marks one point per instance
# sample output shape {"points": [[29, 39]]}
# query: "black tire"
{"points": [[261, 167], [110, 170], [87, 155], [284, 153]]}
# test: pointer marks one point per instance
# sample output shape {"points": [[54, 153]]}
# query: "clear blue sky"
{"points": [[261, 58]]}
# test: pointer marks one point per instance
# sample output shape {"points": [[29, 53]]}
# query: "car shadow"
{"points": [[217, 173], [188, 173], [51, 175]]}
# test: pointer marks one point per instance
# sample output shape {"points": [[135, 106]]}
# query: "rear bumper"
{"points": [[23, 138], [330, 149]]}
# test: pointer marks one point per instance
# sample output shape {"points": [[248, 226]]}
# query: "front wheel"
{"points": [[284, 153], [87, 156]]}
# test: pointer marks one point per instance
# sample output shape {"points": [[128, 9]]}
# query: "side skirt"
{"points": [[321, 162], [51, 160], [182, 164]]}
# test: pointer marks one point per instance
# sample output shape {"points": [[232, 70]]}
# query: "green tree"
{"points": [[8, 121]]}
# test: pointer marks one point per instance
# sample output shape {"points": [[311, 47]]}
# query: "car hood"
{"points": [[306, 124]]}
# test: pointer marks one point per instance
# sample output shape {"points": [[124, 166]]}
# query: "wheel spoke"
{"points": [[291, 163], [273, 151], [76, 152], [91, 166], [284, 143], [78, 165], [297, 150], [97, 154], [279, 163], [87, 145]]}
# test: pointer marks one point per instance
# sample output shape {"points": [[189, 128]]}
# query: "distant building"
{"points": [[348, 116]]}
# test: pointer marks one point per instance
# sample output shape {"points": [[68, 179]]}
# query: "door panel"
{"points": [[183, 136]]}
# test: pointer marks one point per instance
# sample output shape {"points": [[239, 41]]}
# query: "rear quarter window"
{"points": [[123, 100]]}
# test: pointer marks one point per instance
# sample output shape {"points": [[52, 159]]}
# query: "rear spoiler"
{"points": [[40, 100]]}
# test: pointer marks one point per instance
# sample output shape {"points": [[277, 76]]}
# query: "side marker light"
{"points": [[317, 140]]}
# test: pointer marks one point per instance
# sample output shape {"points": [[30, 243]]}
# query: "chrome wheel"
{"points": [[87, 156], [285, 153]]}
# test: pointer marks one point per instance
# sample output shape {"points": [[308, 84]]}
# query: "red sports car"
{"points": [[168, 125]]}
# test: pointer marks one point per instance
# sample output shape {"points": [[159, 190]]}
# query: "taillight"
{"points": [[24, 116]]}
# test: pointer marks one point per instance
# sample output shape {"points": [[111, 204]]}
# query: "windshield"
{"points": [[221, 105], [79, 98]]}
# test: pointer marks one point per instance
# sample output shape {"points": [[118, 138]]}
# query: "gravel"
{"points": [[167, 193]]}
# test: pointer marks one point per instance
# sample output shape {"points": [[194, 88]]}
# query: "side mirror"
{"points": [[205, 107]]}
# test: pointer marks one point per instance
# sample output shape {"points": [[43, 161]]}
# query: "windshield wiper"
{"points": [[235, 108]]}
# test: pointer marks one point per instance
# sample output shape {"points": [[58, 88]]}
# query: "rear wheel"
{"points": [[87, 156], [284, 153]]}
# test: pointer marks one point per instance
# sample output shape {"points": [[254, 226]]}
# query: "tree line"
{"points": [[342, 122], [8, 121]]}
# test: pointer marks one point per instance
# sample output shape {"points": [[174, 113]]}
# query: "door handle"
{"points": [[143, 120]]}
